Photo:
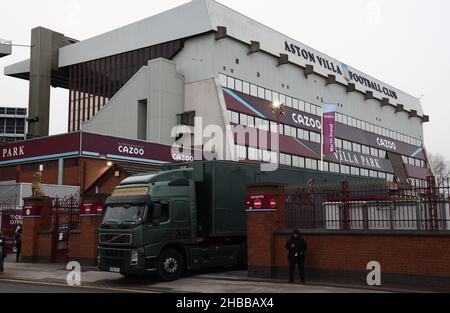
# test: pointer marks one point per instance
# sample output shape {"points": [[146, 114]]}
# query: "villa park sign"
{"points": [[338, 69], [360, 160]]}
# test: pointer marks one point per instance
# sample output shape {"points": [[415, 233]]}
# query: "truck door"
{"points": [[156, 233], [181, 218]]}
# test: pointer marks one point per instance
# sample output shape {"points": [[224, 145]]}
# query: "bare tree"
{"points": [[440, 168]]}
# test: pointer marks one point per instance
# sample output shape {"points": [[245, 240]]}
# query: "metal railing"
{"points": [[370, 206]]}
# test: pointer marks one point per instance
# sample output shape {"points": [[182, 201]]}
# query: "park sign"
{"points": [[90, 145]]}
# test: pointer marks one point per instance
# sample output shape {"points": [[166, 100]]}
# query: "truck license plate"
{"points": [[114, 269]]}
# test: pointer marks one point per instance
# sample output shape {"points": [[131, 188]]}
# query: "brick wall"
{"points": [[408, 260]]}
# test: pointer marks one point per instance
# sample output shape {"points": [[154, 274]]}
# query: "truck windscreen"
{"points": [[124, 214]]}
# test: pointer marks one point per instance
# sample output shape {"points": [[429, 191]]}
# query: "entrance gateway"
{"points": [[65, 219]]}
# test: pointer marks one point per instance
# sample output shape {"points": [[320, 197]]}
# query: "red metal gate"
{"points": [[66, 219], [10, 219]]}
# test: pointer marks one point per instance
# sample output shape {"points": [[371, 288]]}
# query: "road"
{"points": [[51, 278], [32, 287]]}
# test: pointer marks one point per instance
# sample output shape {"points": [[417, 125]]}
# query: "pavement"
{"points": [[51, 278]]}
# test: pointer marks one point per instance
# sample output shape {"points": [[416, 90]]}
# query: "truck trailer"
{"points": [[187, 217]]}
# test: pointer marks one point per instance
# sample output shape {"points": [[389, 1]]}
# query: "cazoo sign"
{"points": [[386, 144], [306, 121], [131, 150]]}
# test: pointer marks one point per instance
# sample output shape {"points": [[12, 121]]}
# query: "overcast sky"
{"points": [[404, 43]]}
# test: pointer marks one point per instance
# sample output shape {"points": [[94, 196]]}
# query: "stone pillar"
{"points": [[44, 57], [37, 241], [91, 212], [263, 218]]}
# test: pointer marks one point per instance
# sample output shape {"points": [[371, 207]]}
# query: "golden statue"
{"points": [[36, 187]]}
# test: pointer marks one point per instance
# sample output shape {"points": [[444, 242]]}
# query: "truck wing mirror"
{"points": [[157, 212]]}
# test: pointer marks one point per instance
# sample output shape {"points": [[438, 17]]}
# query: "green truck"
{"points": [[186, 217]]}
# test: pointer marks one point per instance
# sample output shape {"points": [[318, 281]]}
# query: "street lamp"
{"points": [[278, 109]]}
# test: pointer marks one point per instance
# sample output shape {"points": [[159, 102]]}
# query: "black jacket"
{"points": [[18, 237], [3, 247], [297, 248]]}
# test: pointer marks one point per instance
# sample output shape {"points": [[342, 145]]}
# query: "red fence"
{"points": [[371, 206]]}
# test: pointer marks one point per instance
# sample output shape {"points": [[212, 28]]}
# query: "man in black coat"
{"points": [[297, 252], [3, 250], [18, 241]]}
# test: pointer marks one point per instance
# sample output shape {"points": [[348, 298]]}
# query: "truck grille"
{"points": [[114, 258], [115, 238]]}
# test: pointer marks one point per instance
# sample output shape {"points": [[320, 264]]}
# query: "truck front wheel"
{"points": [[170, 265]]}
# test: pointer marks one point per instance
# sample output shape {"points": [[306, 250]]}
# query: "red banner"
{"points": [[329, 127]]}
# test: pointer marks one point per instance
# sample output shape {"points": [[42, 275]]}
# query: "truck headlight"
{"points": [[134, 260]]}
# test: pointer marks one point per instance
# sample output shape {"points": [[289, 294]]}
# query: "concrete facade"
{"points": [[44, 58]]}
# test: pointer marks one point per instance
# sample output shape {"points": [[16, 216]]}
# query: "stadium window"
{"points": [[289, 102], [266, 156], [405, 159], [355, 171], [252, 154], [301, 105], [364, 172], [346, 145], [238, 85], [273, 127], [276, 96], [319, 111], [345, 169], [282, 158], [344, 119], [250, 121], [261, 93], [295, 161], [308, 163], [234, 117], [315, 137], [374, 152], [268, 95], [253, 90], [230, 82], [246, 88], [223, 80], [390, 177], [301, 162], [307, 107], [288, 160], [365, 149], [295, 103], [243, 119], [265, 125], [314, 165]]}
